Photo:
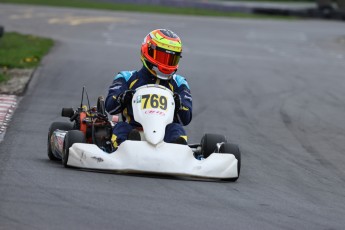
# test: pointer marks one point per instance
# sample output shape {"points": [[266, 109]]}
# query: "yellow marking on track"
{"points": [[29, 14], [68, 19], [25, 15], [75, 21]]}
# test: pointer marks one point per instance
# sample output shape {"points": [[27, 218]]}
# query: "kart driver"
{"points": [[160, 54]]}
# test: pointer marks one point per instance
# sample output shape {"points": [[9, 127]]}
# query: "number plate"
{"points": [[154, 101]]}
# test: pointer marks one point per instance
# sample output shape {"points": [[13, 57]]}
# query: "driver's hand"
{"points": [[125, 98], [178, 103]]}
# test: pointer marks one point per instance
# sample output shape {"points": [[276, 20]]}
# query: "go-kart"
{"points": [[85, 142]]}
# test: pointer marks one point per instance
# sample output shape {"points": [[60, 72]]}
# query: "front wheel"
{"points": [[232, 149], [72, 137], [209, 143], [66, 126]]}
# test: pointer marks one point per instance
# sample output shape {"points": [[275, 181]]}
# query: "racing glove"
{"points": [[178, 102], [125, 98]]}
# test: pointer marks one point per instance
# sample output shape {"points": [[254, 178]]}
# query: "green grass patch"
{"points": [[3, 77], [21, 51], [140, 8]]}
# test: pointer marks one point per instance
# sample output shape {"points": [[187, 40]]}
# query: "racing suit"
{"points": [[130, 80]]}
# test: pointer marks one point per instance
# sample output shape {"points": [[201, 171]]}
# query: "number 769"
{"points": [[153, 101]]}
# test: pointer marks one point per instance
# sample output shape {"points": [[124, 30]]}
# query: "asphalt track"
{"points": [[274, 87]]}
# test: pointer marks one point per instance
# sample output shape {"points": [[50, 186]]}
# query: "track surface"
{"points": [[274, 87]]}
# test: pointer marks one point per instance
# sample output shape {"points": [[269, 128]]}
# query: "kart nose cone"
{"points": [[154, 136]]}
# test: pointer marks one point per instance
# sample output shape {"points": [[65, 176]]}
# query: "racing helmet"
{"points": [[160, 53]]}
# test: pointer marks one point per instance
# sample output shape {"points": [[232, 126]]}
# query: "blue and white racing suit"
{"points": [[130, 80]]}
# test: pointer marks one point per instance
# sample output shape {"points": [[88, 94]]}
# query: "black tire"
{"points": [[209, 143], [232, 149], [73, 136], [54, 126], [67, 112]]}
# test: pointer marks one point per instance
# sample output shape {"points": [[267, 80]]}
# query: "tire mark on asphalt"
{"points": [[300, 135]]}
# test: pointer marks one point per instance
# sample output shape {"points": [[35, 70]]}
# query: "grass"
{"points": [[21, 51], [139, 8]]}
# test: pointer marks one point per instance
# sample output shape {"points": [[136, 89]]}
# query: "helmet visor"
{"points": [[164, 57]]}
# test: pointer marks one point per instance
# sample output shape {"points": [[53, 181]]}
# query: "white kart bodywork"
{"points": [[153, 155]]}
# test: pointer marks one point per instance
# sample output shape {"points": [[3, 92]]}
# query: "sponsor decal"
{"points": [[188, 98], [157, 112], [169, 51], [116, 87], [98, 159], [138, 99], [60, 141]]}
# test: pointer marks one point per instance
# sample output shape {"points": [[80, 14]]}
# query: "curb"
{"points": [[10, 93], [17, 84], [8, 104]]}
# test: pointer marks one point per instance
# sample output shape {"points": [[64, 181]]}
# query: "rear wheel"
{"points": [[67, 112], [54, 126], [232, 149], [72, 137], [209, 143]]}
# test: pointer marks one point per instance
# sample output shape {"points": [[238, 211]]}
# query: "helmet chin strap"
{"points": [[161, 75], [155, 71]]}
